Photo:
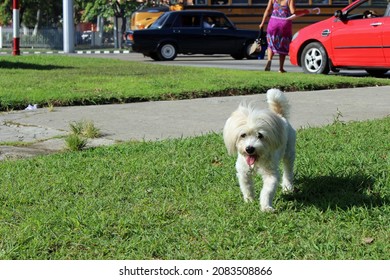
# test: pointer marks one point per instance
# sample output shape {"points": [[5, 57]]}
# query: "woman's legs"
{"points": [[282, 58], [270, 55]]}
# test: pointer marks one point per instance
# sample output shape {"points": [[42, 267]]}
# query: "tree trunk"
{"points": [[37, 23]]}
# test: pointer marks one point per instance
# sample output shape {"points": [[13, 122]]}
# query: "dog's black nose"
{"points": [[250, 149]]}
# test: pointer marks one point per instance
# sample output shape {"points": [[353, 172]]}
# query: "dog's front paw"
{"points": [[287, 188], [248, 199], [268, 209]]}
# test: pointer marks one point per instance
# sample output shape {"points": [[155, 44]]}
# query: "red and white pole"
{"points": [[16, 27]]}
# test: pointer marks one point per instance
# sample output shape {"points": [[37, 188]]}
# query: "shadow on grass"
{"points": [[329, 192], [29, 66]]}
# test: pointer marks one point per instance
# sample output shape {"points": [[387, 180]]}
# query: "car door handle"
{"points": [[207, 31], [176, 31], [325, 33], [376, 24]]}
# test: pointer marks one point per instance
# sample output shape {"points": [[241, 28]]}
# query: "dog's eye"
{"points": [[260, 135], [243, 135]]}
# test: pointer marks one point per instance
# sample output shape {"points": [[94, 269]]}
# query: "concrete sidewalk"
{"points": [[181, 118]]}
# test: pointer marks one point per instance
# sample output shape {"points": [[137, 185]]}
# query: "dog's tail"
{"points": [[278, 102]]}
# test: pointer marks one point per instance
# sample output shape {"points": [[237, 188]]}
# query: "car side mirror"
{"points": [[339, 14]]}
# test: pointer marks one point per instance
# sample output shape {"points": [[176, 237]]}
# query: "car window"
{"points": [[160, 21], [187, 21], [387, 13], [362, 12], [208, 22], [213, 21]]}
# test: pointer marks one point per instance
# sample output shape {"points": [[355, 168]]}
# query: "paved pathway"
{"points": [[181, 118]]}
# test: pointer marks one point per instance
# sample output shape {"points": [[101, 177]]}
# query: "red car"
{"points": [[354, 38]]}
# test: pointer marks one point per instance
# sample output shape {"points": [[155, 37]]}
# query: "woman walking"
{"points": [[279, 30]]}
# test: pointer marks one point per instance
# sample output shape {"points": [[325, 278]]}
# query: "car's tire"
{"points": [[154, 56], [239, 56], [242, 53], [167, 51], [314, 59], [377, 72]]}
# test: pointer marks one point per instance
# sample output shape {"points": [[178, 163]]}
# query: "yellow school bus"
{"points": [[145, 16], [246, 14]]}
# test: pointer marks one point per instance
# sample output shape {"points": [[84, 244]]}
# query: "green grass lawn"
{"points": [[61, 80], [179, 199]]}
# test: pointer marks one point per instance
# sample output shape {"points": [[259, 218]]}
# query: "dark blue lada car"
{"points": [[192, 32]]}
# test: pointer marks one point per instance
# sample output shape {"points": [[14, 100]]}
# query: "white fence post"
{"points": [[100, 27], [68, 26]]}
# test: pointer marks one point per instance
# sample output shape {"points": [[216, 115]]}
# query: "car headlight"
{"points": [[295, 36]]}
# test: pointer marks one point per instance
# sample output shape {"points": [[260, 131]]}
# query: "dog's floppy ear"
{"points": [[233, 128], [229, 137]]}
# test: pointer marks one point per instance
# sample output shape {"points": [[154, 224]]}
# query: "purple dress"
{"points": [[279, 29]]}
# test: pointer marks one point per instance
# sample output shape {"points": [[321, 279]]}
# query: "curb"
{"points": [[102, 52], [76, 52]]}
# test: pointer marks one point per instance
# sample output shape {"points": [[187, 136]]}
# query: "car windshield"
{"points": [[160, 21]]}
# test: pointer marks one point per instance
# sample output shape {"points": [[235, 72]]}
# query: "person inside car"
{"points": [[369, 14]]}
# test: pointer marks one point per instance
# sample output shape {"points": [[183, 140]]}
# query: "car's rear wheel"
{"points": [[167, 51], [377, 72], [238, 56], [241, 54], [154, 56], [314, 59]]}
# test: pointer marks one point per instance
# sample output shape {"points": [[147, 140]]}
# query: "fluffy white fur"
{"points": [[262, 138]]}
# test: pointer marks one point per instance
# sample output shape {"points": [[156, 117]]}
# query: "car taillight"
{"points": [[130, 37], [140, 26]]}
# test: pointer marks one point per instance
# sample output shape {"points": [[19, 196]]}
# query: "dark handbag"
{"points": [[263, 39]]}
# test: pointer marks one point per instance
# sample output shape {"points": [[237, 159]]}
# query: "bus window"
{"points": [[322, 2], [219, 2], [340, 2], [258, 2], [239, 2], [319, 2], [200, 2]]}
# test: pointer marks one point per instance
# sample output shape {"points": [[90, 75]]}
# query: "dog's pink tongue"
{"points": [[250, 160]]}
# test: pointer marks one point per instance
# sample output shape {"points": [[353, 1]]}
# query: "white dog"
{"points": [[262, 138]]}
